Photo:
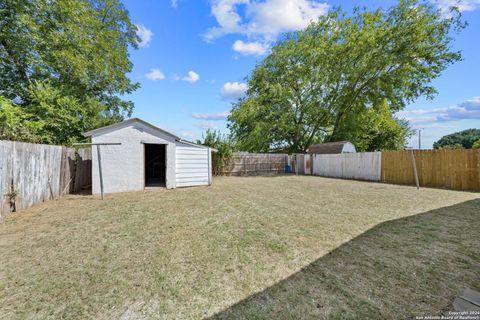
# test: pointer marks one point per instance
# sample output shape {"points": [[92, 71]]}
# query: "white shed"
{"points": [[146, 156], [332, 148]]}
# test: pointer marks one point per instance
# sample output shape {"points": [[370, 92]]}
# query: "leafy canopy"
{"points": [[374, 129], [63, 67], [345, 77], [463, 139]]}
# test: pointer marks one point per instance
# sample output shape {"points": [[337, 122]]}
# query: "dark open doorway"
{"points": [[155, 165]]}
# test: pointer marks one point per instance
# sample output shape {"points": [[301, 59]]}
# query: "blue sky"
{"points": [[195, 55]]}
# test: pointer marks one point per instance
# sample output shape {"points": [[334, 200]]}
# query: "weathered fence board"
{"points": [[67, 171], [6, 175], [360, 166], [36, 173], [255, 164], [451, 169], [32, 173]]}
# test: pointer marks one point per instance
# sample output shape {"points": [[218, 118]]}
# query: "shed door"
{"points": [[155, 165]]}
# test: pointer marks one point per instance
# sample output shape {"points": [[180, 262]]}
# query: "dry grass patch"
{"points": [[200, 252]]}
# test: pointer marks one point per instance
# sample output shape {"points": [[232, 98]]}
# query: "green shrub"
{"points": [[476, 145], [224, 146]]}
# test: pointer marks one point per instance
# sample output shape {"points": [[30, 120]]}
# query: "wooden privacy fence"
{"points": [[451, 169], [359, 166], [255, 164], [32, 173]]}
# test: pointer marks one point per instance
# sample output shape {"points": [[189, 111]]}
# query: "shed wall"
{"points": [[193, 165], [123, 165]]}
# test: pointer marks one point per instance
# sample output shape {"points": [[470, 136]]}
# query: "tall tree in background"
{"points": [[462, 139], [329, 81], [374, 128], [63, 67]]}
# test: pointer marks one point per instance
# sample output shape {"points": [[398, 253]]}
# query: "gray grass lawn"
{"points": [[259, 247]]}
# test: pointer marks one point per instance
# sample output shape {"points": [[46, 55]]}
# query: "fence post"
{"points": [[244, 159], [312, 156], [415, 170], [269, 164], [294, 162]]}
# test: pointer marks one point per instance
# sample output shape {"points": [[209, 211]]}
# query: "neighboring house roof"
{"points": [[328, 148], [138, 120]]}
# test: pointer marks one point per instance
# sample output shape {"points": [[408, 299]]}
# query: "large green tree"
{"points": [[374, 128], [63, 67], [463, 139], [317, 83]]}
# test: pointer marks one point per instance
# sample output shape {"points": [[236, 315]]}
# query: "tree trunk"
{"points": [[333, 137]]}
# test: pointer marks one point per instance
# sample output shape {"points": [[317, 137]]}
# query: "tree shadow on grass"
{"points": [[398, 269]]}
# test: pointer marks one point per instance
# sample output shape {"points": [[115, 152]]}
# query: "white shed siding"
{"points": [[123, 165], [193, 166]]}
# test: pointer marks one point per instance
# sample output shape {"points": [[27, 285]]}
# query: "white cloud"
{"points": [[174, 3], [263, 19], [275, 16], [145, 35], [433, 126], [207, 126], [420, 111], [250, 48], [233, 90], [462, 5], [191, 77], [469, 109], [188, 135], [225, 12], [466, 110], [420, 121], [211, 116], [155, 74]]}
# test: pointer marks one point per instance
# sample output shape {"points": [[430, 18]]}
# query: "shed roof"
{"points": [[132, 120], [328, 148], [138, 120]]}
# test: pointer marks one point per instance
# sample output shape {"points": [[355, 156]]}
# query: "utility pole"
{"points": [[420, 138]]}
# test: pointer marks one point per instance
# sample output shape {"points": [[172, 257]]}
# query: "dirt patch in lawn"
{"points": [[284, 247]]}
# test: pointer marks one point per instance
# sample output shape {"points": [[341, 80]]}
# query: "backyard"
{"points": [[246, 247]]}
